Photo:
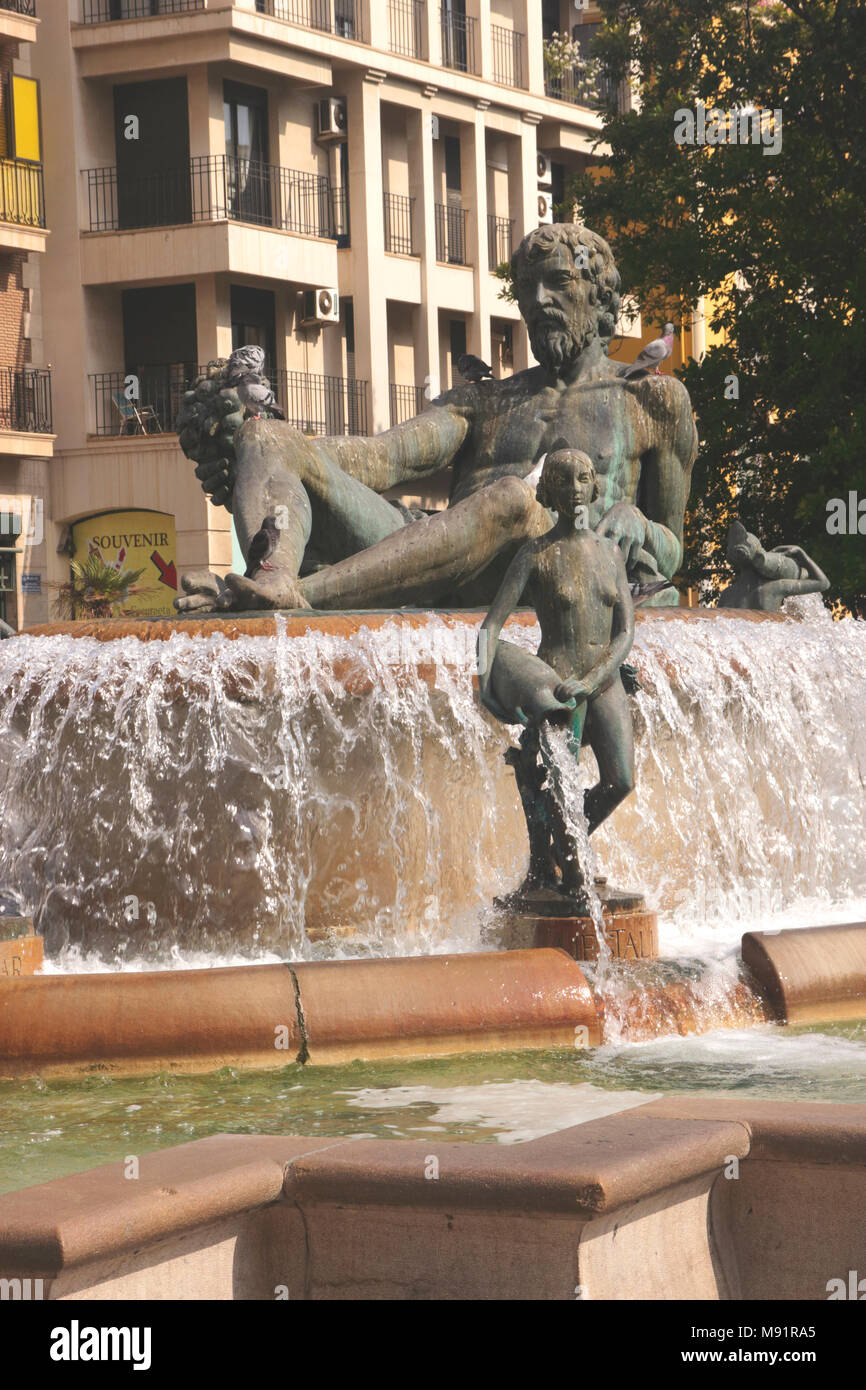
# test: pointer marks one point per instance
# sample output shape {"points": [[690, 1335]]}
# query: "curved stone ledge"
{"points": [[264, 1016], [811, 974]]}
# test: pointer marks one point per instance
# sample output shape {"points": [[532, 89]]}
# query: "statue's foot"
{"points": [[204, 592], [272, 588]]}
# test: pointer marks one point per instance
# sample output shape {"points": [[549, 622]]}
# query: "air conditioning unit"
{"points": [[331, 120], [320, 306], [545, 171], [545, 207]]}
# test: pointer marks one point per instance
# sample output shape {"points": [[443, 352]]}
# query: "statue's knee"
{"points": [[515, 501]]}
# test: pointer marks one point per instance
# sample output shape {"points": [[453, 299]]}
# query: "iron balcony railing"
{"points": [[22, 193], [406, 402], [103, 11], [216, 188], [451, 234], [459, 45], [574, 87], [148, 400], [399, 224], [25, 400], [507, 56], [406, 27], [341, 17], [500, 239], [27, 7]]}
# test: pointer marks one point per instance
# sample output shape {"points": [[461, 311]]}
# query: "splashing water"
{"points": [[200, 798]]}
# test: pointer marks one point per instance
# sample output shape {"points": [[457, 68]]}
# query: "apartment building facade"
{"points": [[335, 180], [26, 438]]}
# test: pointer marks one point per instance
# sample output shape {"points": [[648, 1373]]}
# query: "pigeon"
{"points": [[262, 547], [472, 368], [246, 375], [653, 354], [641, 592]]}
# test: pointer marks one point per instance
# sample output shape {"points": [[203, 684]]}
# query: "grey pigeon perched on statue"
{"points": [[472, 368], [262, 547], [653, 354], [246, 375]]}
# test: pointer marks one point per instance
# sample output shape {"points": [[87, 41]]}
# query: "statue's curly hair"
{"points": [[553, 474], [601, 271]]}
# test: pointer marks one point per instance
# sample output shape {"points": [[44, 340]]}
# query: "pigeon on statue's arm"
{"points": [[246, 376], [652, 356]]}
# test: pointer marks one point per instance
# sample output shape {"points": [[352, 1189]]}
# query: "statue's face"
{"points": [[553, 296], [574, 484]]}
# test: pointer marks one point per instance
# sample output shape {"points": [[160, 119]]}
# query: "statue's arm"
{"points": [[665, 482], [516, 578], [412, 450], [817, 583]]}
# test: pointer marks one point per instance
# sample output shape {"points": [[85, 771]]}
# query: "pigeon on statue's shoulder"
{"points": [[652, 356], [473, 369]]}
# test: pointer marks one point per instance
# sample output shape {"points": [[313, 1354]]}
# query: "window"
{"points": [[453, 180]]}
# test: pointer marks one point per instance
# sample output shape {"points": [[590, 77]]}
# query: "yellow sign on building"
{"points": [[134, 541]]}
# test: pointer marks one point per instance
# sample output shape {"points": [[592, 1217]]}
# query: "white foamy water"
{"points": [[515, 1110], [202, 801]]}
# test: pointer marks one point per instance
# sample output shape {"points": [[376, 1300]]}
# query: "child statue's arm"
{"points": [[510, 592]]}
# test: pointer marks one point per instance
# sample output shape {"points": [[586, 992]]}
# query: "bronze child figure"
{"points": [[765, 578], [576, 581]]}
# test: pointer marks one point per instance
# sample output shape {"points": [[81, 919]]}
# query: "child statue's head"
{"points": [[563, 468]]}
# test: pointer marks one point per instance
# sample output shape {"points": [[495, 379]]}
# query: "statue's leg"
{"points": [[610, 735], [317, 504], [424, 562]]}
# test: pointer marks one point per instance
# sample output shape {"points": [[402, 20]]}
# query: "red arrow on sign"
{"points": [[167, 572]]}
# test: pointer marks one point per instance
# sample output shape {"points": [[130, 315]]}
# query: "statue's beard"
{"points": [[557, 344]]}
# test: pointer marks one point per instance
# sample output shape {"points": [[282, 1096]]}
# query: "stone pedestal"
{"points": [[20, 948], [541, 917]]}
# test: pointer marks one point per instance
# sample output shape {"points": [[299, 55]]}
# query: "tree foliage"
{"points": [[776, 241]]}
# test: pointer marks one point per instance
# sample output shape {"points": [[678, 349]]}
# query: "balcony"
{"points": [[399, 224], [500, 239], [312, 403], [507, 56], [22, 206], [406, 27], [25, 7], [406, 402], [459, 42], [219, 188], [340, 17], [451, 235], [25, 400], [105, 11], [574, 88]]}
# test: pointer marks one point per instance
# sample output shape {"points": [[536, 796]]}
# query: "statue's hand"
{"points": [[210, 593], [627, 527], [572, 690]]}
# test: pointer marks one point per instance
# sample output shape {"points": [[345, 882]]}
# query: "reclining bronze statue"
{"points": [[765, 578], [343, 545]]}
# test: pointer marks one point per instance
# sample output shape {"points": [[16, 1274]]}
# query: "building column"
{"points": [[478, 337], [367, 222], [377, 25], [527, 15], [484, 54], [420, 126], [213, 318], [433, 25], [523, 208]]}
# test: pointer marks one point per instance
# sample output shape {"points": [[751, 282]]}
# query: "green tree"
{"points": [[776, 239]]}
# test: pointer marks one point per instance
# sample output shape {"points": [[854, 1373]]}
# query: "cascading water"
{"points": [[320, 794]]}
